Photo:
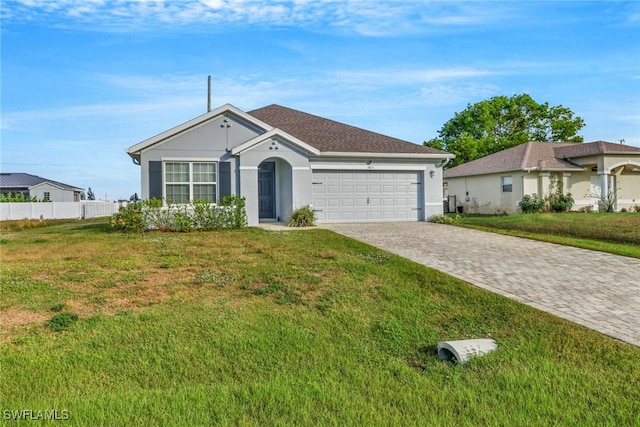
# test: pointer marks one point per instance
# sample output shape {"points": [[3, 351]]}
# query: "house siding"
{"points": [[56, 194], [482, 194], [485, 196]]}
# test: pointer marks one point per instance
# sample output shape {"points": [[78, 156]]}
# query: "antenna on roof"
{"points": [[209, 94], [621, 141]]}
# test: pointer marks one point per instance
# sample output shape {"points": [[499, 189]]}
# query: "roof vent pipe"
{"points": [[209, 94]]}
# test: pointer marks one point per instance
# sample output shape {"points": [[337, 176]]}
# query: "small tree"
{"points": [[90, 195], [134, 198], [607, 202]]}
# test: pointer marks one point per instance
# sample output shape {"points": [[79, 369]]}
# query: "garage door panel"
{"points": [[388, 189], [360, 196], [390, 215], [347, 189], [361, 216]]}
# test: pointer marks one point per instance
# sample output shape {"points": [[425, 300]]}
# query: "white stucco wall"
{"points": [[482, 194]]}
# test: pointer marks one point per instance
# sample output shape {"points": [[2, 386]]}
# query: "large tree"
{"points": [[498, 123]]}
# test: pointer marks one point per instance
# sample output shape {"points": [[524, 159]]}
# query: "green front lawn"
{"points": [[616, 233], [283, 328]]}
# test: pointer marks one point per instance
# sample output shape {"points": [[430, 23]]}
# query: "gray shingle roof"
{"points": [[24, 180], [591, 148], [330, 136], [530, 155]]}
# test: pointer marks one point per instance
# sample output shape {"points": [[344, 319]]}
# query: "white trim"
{"points": [[433, 204], [273, 133], [59, 186], [248, 168], [191, 159], [386, 155], [373, 168], [300, 168]]}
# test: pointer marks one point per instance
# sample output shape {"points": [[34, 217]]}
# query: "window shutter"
{"points": [[155, 180], [224, 179]]}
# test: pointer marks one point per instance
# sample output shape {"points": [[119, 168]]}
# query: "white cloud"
{"points": [[401, 77], [458, 94], [365, 17]]}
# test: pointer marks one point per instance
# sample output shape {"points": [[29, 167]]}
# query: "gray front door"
{"points": [[267, 190]]}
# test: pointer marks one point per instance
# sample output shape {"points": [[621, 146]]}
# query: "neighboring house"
{"points": [[589, 171], [280, 159], [41, 188]]}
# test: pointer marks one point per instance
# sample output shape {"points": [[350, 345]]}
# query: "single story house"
{"points": [[41, 188], [591, 172], [280, 159]]}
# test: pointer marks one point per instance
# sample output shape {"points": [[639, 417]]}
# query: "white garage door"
{"points": [[360, 196]]}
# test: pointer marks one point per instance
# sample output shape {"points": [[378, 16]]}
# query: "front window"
{"points": [[190, 181], [507, 184], [47, 196]]}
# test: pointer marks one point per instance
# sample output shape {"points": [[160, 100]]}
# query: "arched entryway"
{"points": [[275, 198]]}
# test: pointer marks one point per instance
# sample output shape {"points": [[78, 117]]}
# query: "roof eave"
{"points": [[528, 170], [273, 133], [437, 156]]}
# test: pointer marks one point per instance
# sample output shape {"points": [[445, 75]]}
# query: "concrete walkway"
{"points": [[594, 289]]}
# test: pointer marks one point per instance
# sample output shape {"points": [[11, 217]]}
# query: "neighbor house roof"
{"points": [[330, 136], [538, 156], [591, 148], [19, 180]]}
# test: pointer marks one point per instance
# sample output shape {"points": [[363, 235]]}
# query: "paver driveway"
{"points": [[594, 289]]}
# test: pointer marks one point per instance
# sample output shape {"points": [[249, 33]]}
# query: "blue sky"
{"points": [[83, 80]]}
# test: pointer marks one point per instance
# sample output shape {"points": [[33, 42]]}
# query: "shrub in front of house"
{"points": [[17, 198], [446, 219], [151, 214], [531, 204], [559, 202], [302, 217]]}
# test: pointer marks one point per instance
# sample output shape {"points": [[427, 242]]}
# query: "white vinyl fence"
{"points": [[57, 210]]}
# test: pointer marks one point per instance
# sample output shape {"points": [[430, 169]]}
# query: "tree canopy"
{"points": [[499, 123]]}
